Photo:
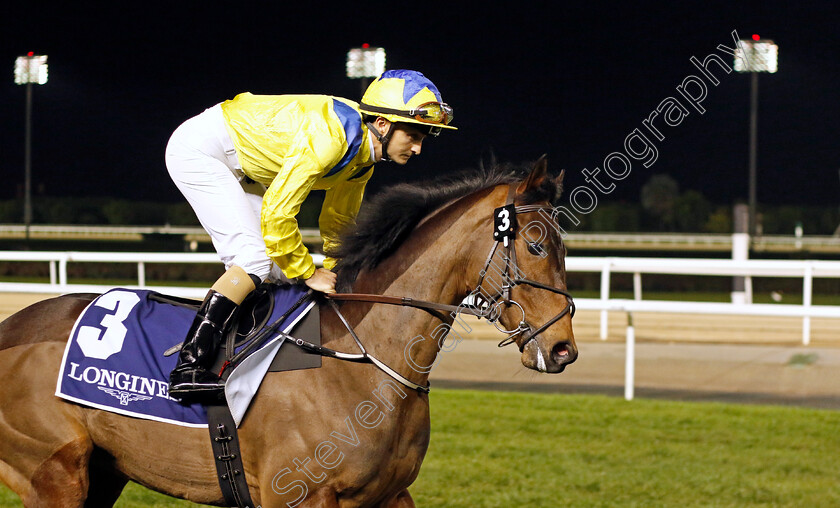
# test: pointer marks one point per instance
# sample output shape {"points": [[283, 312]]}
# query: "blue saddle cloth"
{"points": [[114, 359]]}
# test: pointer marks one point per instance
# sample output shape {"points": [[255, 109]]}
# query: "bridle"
{"points": [[487, 307], [504, 231]]}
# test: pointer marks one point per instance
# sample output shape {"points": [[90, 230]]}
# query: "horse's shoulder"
{"points": [[45, 321]]}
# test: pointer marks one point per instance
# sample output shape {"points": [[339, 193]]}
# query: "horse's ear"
{"points": [[558, 181], [537, 176]]}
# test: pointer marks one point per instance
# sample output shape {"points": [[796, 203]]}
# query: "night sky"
{"points": [[572, 81]]}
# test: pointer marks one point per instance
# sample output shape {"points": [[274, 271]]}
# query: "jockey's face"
{"points": [[405, 142]]}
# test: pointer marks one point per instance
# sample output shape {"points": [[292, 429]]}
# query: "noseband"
{"points": [[505, 231]]}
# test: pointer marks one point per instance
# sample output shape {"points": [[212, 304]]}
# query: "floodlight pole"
{"points": [[29, 70], [753, 152], [27, 182], [754, 56]]}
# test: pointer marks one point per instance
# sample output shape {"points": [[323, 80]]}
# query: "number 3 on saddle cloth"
{"points": [[116, 357]]}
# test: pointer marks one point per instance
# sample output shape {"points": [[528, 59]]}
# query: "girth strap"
{"points": [[228, 459]]}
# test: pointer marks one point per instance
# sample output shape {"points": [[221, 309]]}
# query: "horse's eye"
{"points": [[536, 249]]}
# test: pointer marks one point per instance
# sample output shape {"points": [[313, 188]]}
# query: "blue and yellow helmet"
{"points": [[407, 96]]}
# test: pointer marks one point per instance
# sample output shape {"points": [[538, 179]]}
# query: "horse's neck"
{"points": [[431, 265]]}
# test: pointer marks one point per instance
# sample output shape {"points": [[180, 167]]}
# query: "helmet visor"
{"points": [[438, 113], [433, 112]]}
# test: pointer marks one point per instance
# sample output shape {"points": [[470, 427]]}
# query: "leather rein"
{"points": [[487, 307]]}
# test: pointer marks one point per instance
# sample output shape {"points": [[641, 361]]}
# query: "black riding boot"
{"points": [[191, 380]]}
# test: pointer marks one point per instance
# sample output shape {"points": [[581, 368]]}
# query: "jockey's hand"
{"points": [[322, 280]]}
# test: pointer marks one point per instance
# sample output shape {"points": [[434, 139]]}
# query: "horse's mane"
{"points": [[386, 220]]}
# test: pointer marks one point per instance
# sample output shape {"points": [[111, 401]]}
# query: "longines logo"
{"points": [[125, 387], [125, 397]]}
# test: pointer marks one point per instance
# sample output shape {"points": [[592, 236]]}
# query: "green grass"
{"points": [[511, 449], [498, 449]]}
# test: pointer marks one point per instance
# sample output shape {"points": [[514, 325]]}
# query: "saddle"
{"points": [[251, 321]]}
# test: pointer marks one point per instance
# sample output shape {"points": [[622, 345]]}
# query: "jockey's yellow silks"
{"points": [[293, 144]]}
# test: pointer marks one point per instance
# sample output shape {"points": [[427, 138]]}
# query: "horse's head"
{"points": [[437, 241], [521, 283]]}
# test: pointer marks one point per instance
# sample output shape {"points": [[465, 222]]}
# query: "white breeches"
{"points": [[202, 162]]}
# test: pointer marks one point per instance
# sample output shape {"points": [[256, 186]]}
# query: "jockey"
{"points": [[246, 165]]}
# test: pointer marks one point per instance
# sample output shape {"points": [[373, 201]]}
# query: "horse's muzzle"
{"points": [[552, 361]]}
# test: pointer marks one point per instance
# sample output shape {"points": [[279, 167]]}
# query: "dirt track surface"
{"points": [[690, 357], [685, 357]]}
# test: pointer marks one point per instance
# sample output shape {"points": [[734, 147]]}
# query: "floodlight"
{"points": [[365, 62], [756, 56], [31, 69]]}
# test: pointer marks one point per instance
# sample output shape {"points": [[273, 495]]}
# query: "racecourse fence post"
{"points": [[637, 285], [62, 270], [630, 359], [807, 290], [605, 296], [141, 274], [741, 252]]}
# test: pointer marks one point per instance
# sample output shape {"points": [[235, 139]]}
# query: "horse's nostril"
{"points": [[561, 353]]}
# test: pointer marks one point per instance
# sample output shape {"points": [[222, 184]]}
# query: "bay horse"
{"points": [[345, 434]]}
